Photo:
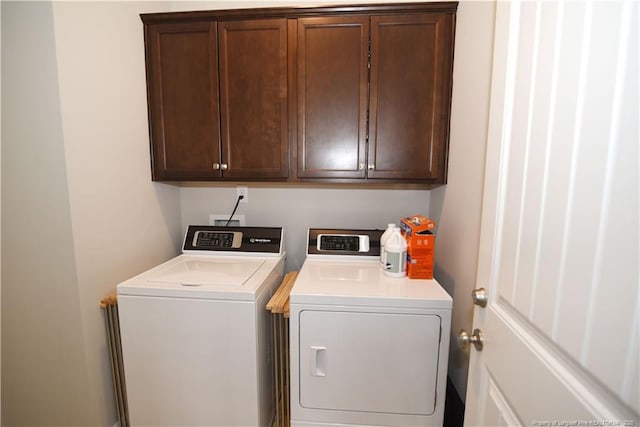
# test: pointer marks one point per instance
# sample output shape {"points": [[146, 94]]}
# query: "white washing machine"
{"points": [[196, 337], [366, 349]]}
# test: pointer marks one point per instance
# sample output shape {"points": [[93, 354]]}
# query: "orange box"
{"points": [[421, 244], [411, 225], [417, 231], [419, 268]]}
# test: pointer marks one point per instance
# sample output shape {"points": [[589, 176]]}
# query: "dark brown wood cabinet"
{"points": [[218, 100], [182, 82], [410, 96], [253, 98], [374, 96], [344, 94], [332, 86]]}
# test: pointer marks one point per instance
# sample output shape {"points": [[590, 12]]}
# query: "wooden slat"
{"points": [[109, 301], [109, 305], [279, 302], [279, 307]]}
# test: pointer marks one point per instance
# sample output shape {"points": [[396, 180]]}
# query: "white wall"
{"points": [[80, 212], [456, 207], [41, 325]]}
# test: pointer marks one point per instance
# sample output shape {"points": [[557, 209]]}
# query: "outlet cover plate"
{"points": [[243, 191], [220, 220]]}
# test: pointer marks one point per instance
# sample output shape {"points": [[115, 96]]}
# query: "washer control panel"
{"points": [[217, 239], [206, 239]]}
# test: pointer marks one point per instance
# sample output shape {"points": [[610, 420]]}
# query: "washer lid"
{"points": [[362, 283], [205, 271], [204, 277]]}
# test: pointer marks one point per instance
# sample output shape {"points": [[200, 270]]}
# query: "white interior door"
{"points": [[559, 240]]}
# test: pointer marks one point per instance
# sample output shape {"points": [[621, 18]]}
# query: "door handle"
{"points": [[479, 297], [318, 361], [475, 338]]}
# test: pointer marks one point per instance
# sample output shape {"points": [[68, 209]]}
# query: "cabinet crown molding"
{"points": [[297, 12]]}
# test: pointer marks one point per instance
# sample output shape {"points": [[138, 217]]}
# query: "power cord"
{"points": [[235, 208]]}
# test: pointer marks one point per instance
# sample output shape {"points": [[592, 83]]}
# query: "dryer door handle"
{"points": [[318, 361]]}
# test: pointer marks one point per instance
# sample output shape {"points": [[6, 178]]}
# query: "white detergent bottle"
{"points": [[395, 255], [383, 239]]}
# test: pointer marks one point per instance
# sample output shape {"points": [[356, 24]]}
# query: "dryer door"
{"points": [[369, 362]]}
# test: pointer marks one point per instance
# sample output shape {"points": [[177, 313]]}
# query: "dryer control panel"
{"points": [[344, 242]]}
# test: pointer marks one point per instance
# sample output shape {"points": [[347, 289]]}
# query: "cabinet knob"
{"points": [[371, 166], [475, 338], [224, 166], [361, 167], [216, 166]]}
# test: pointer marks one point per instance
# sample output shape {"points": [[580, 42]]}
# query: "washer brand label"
{"points": [[260, 240]]}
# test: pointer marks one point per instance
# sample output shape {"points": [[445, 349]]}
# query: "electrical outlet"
{"points": [[244, 192]]}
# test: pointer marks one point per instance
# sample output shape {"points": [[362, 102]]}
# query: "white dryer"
{"points": [[366, 349], [196, 337]]}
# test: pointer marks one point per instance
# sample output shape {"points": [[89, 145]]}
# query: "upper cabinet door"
{"points": [[332, 68], [411, 69], [183, 100], [253, 104]]}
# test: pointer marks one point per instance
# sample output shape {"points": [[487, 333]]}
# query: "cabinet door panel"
{"points": [[411, 57], [332, 96], [183, 100], [253, 90]]}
